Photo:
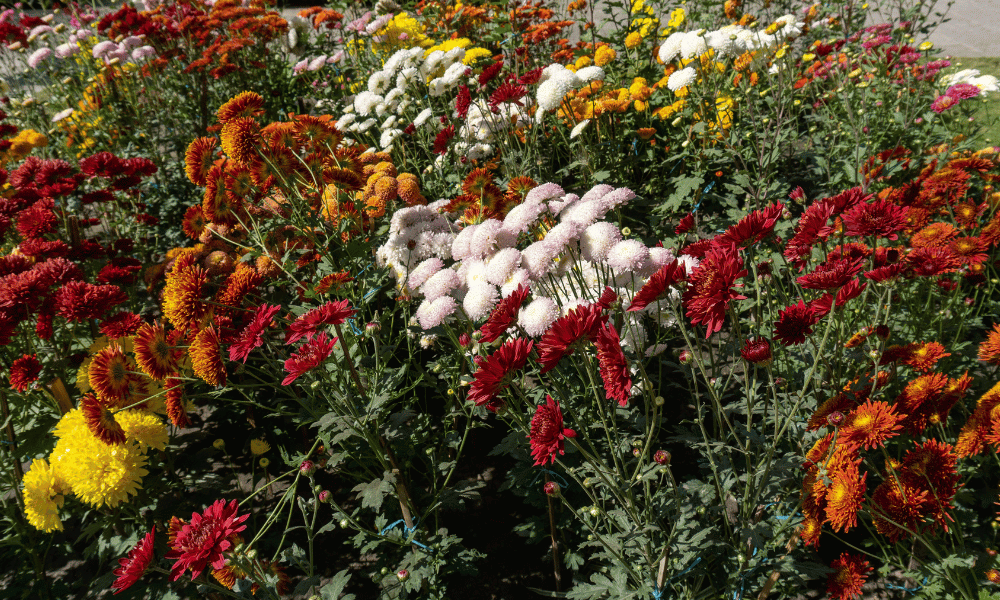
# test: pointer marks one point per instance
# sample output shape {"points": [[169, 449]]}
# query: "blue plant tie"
{"points": [[562, 479], [687, 570], [657, 592], [407, 531], [890, 586], [635, 147], [708, 188], [354, 328]]}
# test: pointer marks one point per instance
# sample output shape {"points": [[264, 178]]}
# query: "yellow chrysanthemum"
{"points": [[633, 39], [676, 18], [43, 496], [448, 45], [402, 31], [97, 473], [604, 55], [147, 429], [258, 447], [473, 55]]}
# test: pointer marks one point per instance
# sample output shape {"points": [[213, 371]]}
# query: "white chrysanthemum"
{"points": [[517, 278], [437, 87], [365, 102], [551, 93], [563, 235], [596, 192], [985, 83], [659, 256], [723, 41], [427, 341], [693, 45], [582, 213], [440, 284], [522, 217], [578, 128], [615, 198], [479, 151], [538, 259], [689, 263], [682, 78], [480, 300], [423, 272], [501, 265], [454, 73], [543, 192], [407, 77], [591, 73], [423, 117], [472, 272], [598, 240], [557, 205], [63, 114], [430, 313], [393, 97], [671, 47], [627, 255], [344, 122], [440, 244], [388, 137], [536, 317], [460, 248]]}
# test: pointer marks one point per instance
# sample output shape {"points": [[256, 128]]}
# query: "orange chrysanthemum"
{"points": [[809, 532], [850, 571], [183, 296], [176, 410], [989, 350], [972, 438], [924, 356], [152, 352], [240, 139], [897, 512], [194, 222], [109, 374], [243, 105], [238, 286], [935, 234], [844, 497], [870, 425], [206, 357], [199, 158], [101, 421]]}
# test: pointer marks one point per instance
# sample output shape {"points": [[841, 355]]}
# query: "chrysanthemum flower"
{"points": [[110, 375], [972, 437], [752, 228], [931, 466], [494, 372], [989, 349], [252, 336], [870, 425], [850, 571], [881, 218], [206, 357], [924, 356], [152, 352], [657, 285], [237, 287], [145, 428], [794, 324], [244, 104], [844, 497], [123, 324], [331, 313], [176, 409], [24, 371], [258, 447], [79, 300], [184, 295], [757, 351], [547, 432], [201, 542], [310, 355], [580, 323], [897, 512], [503, 316], [614, 368], [710, 287], [832, 274], [101, 421], [932, 261], [134, 564], [240, 139], [199, 158], [43, 496]]}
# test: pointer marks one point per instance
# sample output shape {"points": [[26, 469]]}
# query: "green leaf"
{"points": [[372, 494], [335, 588]]}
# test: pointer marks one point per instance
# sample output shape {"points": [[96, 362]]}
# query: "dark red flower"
{"points": [[79, 301], [24, 371], [122, 270], [614, 369], [657, 285], [853, 289], [490, 72], [929, 262], [608, 297], [121, 325], [685, 224], [102, 164], [310, 355], [133, 565], [252, 336], [757, 351], [331, 313], [503, 316], [493, 372], [881, 218], [710, 287], [794, 324], [462, 101], [581, 322], [507, 92], [753, 227], [37, 220], [547, 432], [812, 226], [442, 139], [832, 274], [201, 542], [101, 421], [885, 273]]}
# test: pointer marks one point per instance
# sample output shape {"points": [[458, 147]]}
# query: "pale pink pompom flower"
{"points": [[430, 314], [38, 56], [628, 255], [536, 317], [543, 192], [597, 241], [501, 265], [440, 284], [480, 300], [423, 272]]}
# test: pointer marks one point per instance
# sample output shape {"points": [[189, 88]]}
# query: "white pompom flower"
{"points": [[536, 317], [480, 300]]}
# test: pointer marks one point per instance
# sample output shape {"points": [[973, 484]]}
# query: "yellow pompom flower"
{"points": [[633, 39], [604, 55], [147, 429], [724, 111], [43, 496], [449, 45], [98, 473], [258, 447], [473, 55]]}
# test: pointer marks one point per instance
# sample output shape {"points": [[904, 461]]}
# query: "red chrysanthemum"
{"points": [[152, 352], [794, 324], [881, 218], [897, 513], [932, 261], [710, 287], [110, 376], [832, 274], [752, 228], [657, 285], [443, 137], [685, 224], [101, 421], [37, 220], [852, 289], [462, 101], [310, 355], [757, 351], [547, 432], [121, 325], [870, 425], [252, 336], [24, 371], [202, 542], [504, 315], [206, 357], [850, 572], [812, 226], [494, 371], [614, 369], [134, 564], [931, 466], [79, 301], [580, 323], [331, 313]]}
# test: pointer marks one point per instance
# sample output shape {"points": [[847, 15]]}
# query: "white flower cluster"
{"points": [[985, 83], [395, 93], [731, 40], [466, 271], [557, 81]]}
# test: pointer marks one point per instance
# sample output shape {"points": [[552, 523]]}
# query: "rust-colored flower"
{"points": [[495, 371], [240, 138], [184, 295], [152, 352], [244, 104], [174, 401], [206, 357], [581, 323], [844, 497], [134, 564], [194, 222], [547, 432], [923, 357], [870, 425], [614, 368], [199, 158], [237, 287], [110, 375], [972, 437], [989, 349], [897, 512], [201, 542], [101, 421], [24, 371], [850, 571]]}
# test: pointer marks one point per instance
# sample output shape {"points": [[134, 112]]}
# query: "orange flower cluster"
{"points": [[482, 199]]}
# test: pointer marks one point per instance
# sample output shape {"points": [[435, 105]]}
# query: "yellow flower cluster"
{"points": [[402, 31], [21, 144]]}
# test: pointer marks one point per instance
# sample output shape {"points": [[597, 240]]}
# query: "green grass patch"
{"points": [[988, 112]]}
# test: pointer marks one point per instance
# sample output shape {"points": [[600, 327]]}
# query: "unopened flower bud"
{"points": [[659, 400], [662, 457], [344, 523], [325, 496], [685, 357], [636, 452], [835, 419], [219, 444], [552, 489], [594, 512], [307, 468], [402, 574], [373, 328]]}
